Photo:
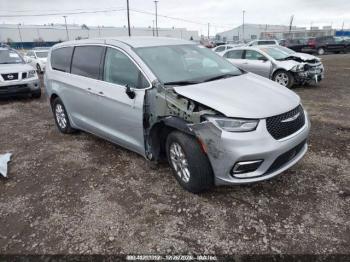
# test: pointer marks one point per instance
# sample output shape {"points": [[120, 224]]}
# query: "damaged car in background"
{"points": [[278, 63], [170, 99]]}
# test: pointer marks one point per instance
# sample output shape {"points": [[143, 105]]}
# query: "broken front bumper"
{"points": [[314, 75], [225, 149]]}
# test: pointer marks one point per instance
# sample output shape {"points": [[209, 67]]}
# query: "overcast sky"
{"points": [[221, 14]]}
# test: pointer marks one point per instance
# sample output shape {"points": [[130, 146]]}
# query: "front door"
{"points": [[256, 63], [120, 113]]}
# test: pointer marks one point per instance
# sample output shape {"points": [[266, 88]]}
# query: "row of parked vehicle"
{"points": [[270, 60], [314, 45], [214, 121]]}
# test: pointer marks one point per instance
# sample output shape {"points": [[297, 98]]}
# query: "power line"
{"points": [[65, 13], [115, 9]]}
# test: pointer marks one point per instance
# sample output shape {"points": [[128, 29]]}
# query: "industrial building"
{"points": [[250, 32], [29, 36]]}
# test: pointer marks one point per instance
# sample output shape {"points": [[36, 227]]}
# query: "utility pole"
{"points": [[208, 31], [65, 22], [20, 35], [290, 25], [99, 31], [243, 26], [153, 27], [156, 6], [128, 13]]}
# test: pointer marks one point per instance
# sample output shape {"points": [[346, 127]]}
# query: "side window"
{"points": [[119, 69], [86, 61], [234, 54], [61, 58], [253, 55]]}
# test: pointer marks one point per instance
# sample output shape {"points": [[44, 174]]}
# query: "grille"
{"points": [[9, 77], [283, 125], [285, 158], [24, 75]]}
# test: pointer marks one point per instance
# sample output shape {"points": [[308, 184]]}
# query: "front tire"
{"points": [[189, 163], [36, 94], [61, 117], [284, 78]]}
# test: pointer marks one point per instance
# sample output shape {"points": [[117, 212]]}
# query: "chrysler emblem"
{"points": [[291, 118], [10, 77]]}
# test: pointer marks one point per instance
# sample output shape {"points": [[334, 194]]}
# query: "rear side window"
{"points": [[86, 61], [234, 54], [61, 58], [119, 69]]}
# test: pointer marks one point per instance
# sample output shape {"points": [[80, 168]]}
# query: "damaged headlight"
{"points": [[31, 73], [234, 124], [298, 68]]}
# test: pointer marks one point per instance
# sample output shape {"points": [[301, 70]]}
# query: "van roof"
{"points": [[133, 41]]}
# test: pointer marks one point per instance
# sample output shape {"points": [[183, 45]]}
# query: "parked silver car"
{"points": [[278, 63], [173, 99]]}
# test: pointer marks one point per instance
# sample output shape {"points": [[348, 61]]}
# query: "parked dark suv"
{"points": [[296, 44], [321, 45]]}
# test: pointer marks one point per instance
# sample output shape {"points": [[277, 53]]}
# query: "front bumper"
{"points": [[13, 88], [313, 75], [224, 149]]}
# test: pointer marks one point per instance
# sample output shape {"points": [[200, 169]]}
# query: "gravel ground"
{"points": [[80, 194]]}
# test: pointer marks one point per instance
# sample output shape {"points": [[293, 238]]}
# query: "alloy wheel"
{"points": [[179, 162], [282, 78], [61, 116]]}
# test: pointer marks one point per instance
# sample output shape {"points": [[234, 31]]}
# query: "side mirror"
{"points": [[131, 93], [264, 59]]}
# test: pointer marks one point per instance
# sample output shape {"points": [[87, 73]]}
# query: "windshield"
{"points": [[41, 54], [186, 64], [275, 53], [286, 50], [10, 57]]}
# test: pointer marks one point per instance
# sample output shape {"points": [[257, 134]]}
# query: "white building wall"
{"points": [[58, 32]]}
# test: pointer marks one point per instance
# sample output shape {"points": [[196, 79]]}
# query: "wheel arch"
{"points": [[159, 132]]}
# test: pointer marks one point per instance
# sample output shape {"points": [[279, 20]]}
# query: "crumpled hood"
{"points": [[244, 96], [306, 57], [14, 68]]}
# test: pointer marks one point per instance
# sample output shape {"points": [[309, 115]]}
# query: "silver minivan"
{"points": [[170, 99]]}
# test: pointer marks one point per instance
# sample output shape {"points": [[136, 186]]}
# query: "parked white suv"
{"points": [[172, 99], [262, 42], [37, 58], [17, 77]]}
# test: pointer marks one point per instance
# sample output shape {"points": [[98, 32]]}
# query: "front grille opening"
{"points": [[284, 125], [9, 77], [285, 158]]}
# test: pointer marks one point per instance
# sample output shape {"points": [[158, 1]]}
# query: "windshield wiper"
{"points": [[219, 77], [181, 83]]}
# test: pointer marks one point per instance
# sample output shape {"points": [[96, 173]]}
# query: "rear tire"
{"points": [[321, 51], [283, 78], [189, 163], [61, 117]]}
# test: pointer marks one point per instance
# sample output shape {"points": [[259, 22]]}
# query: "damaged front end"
{"points": [[165, 111], [307, 71]]}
